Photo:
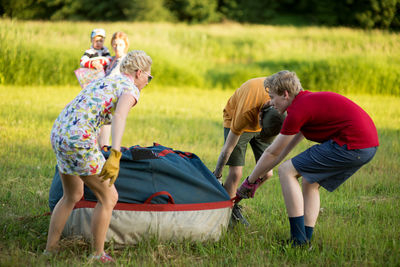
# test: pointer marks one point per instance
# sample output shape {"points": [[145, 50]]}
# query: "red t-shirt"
{"points": [[323, 116]]}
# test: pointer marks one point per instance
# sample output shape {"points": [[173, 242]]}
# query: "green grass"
{"points": [[210, 56], [358, 224], [196, 69]]}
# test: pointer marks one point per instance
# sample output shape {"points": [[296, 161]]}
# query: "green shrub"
{"points": [[368, 14], [253, 11], [147, 10], [194, 11]]}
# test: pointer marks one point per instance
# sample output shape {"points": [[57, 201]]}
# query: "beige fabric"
{"points": [[130, 227]]}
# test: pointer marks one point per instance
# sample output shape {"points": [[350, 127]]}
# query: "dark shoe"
{"points": [[237, 216]]}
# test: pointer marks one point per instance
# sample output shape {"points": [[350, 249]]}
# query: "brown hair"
{"points": [[123, 36]]}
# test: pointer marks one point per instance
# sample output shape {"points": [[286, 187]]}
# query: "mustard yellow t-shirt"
{"points": [[241, 111]]}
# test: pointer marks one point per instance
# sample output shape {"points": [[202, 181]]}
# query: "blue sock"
{"points": [[297, 230], [309, 232]]}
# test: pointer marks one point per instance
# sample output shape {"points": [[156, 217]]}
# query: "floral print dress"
{"points": [[75, 131]]}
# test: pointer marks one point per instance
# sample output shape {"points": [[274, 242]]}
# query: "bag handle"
{"points": [[170, 199]]}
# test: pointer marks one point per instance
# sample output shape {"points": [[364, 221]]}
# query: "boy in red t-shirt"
{"points": [[347, 140]]}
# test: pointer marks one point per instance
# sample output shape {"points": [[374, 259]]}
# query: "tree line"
{"points": [[367, 14]]}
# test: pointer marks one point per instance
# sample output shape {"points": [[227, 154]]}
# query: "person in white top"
{"points": [[120, 45]]}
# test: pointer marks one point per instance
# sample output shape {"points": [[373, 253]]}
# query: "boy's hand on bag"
{"points": [[111, 167], [247, 189], [217, 176], [97, 64]]}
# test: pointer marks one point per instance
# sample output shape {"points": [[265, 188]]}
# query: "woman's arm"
{"points": [[125, 103], [111, 166]]}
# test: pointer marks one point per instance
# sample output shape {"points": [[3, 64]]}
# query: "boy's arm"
{"points": [[85, 60], [92, 63], [230, 143], [106, 57], [88, 60], [271, 157], [274, 154]]}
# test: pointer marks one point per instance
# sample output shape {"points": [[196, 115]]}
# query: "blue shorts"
{"points": [[329, 164]]}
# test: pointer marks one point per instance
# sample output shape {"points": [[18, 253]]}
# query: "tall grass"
{"points": [[358, 224], [210, 56]]}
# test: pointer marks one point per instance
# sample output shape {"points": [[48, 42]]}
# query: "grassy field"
{"points": [[210, 56], [196, 69], [358, 224]]}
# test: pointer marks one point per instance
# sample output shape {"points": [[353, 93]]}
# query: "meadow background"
{"points": [[196, 69]]}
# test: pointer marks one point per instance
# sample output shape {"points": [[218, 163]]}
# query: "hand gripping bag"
{"points": [[163, 192]]}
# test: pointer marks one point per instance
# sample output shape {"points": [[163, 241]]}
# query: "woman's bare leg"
{"points": [[73, 192], [107, 199]]}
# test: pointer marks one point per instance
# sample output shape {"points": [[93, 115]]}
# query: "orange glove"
{"points": [[111, 167]]}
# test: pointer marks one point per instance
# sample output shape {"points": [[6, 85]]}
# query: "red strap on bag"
{"points": [[236, 199], [170, 199]]}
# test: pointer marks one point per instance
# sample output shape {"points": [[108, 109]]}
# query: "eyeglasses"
{"points": [[149, 77]]}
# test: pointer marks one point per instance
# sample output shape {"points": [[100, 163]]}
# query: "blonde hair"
{"points": [[284, 81], [122, 36], [135, 60]]}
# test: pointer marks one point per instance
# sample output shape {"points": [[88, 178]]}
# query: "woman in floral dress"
{"points": [[74, 140]]}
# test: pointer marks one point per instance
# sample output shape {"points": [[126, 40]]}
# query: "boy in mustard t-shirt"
{"points": [[241, 127]]}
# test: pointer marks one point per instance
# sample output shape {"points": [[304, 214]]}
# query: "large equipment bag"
{"points": [[163, 193]]}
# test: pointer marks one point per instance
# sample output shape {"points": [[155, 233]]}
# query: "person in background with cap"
{"points": [[241, 127], [97, 56]]}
